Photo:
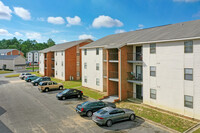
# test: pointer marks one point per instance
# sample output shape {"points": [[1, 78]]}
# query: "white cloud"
{"points": [[120, 31], [18, 34], [5, 12], [56, 20], [85, 36], [4, 32], [33, 35], [63, 41], [186, 0], [41, 19], [55, 31], [106, 21], [140, 26], [22, 13], [73, 21]]}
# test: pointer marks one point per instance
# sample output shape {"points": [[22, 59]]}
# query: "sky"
{"points": [[70, 20]]}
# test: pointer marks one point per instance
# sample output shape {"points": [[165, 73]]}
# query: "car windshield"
{"points": [[38, 79], [102, 111], [85, 103], [65, 91]]}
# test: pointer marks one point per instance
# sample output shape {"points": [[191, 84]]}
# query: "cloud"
{"points": [[73, 21], [33, 35], [5, 12], [4, 32], [18, 34], [85, 36], [56, 20], [41, 19], [22, 13], [63, 41], [120, 31], [55, 31], [140, 26], [186, 1], [106, 21]]}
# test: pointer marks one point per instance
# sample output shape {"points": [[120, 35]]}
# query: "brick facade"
{"points": [[15, 52]]}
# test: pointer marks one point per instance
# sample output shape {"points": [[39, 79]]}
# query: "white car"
{"points": [[22, 75]]}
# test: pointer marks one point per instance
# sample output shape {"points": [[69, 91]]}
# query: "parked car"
{"points": [[69, 93], [89, 107], [22, 75], [108, 115], [40, 79], [30, 78], [49, 85]]}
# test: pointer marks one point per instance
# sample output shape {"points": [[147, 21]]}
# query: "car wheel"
{"points": [[46, 89], [132, 117], [60, 87], [63, 98], [89, 113], [109, 123], [36, 84], [79, 96], [29, 80]]}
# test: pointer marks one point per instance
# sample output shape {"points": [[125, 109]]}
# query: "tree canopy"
{"points": [[25, 46]]}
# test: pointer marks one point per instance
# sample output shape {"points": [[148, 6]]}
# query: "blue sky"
{"points": [[69, 20]]}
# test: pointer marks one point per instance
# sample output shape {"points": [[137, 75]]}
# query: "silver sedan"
{"points": [[108, 115]]}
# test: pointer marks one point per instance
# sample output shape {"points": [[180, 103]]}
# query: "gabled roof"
{"points": [[185, 30], [4, 51], [64, 46], [8, 57]]}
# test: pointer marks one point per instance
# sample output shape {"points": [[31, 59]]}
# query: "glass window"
{"points": [[188, 46], [62, 63], [54, 83], [97, 66], [188, 74], [153, 93], [85, 51], [85, 65], [188, 101], [50, 83], [97, 81], [85, 79], [77, 63], [152, 48], [97, 51], [78, 74], [152, 71]]}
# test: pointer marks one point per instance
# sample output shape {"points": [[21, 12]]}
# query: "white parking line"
{"points": [[16, 81]]}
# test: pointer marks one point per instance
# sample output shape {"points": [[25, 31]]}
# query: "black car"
{"points": [[38, 80], [89, 107], [69, 93]]}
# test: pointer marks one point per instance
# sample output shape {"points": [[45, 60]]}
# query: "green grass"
{"points": [[12, 75], [31, 68], [76, 84], [197, 131], [166, 119], [3, 72]]}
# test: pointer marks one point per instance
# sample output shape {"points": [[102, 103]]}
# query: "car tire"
{"points": [[63, 98], [109, 123], [46, 89], [36, 84], [89, 113], [61, 87], [132, 117], [79, 96], [29, 80]]}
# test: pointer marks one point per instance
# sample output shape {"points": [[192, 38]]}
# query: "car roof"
{"points": [[109, 109]]}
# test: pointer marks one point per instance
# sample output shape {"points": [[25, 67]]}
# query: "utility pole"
{"points": [[33, 60]]}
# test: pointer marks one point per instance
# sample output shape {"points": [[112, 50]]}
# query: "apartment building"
{"points": [[33, 56], [159, 65], [62, 61], [11, 52]]}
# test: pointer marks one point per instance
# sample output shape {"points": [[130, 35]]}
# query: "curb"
{"points": [[192, 128], [159, 125]]}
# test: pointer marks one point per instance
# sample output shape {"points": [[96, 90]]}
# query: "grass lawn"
{"points": [[3, 72], [168, 120], [76, 84], [197, 131], [12, 75], [31, 68]]}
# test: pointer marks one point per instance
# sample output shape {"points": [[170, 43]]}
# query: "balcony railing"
{"points": [[113, 74], [134, 76], [52, 58], [134, 56], [113, 56], [105, 56], [104, 73]]}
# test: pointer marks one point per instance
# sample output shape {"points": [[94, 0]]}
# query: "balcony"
{"points": [[113, 76], [134, 58], [52, 59], [105, 73], [105, 57], [45, 58], [113, 57], [135, 78]]}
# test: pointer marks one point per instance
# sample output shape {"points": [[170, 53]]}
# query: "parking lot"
{"points": [[24, 109]]}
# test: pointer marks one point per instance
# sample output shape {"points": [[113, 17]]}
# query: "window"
{"points": [[85, 51], [97, 51], [77, 63], [78, 74], [188, 101], [56, 73], [62, 53], [152, 48], [152, 71], [188, 46], [188, 74], [85, 65], [56, 63], [97, 66], [153, 93], [62, 63], [85, 79], [97, 81]]}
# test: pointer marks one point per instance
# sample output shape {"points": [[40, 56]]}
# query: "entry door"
{"points": [[139, 92], [139, 72], [138, 52]]}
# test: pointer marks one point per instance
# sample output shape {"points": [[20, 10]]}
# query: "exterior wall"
{"points": [[15, 52], [170, 61], [41, 63], [91, 59], [9, 64], [49, 63], [59, 68], [20, 62], [30, 57]]}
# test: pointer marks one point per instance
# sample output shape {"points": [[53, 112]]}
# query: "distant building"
{"points": [[12, 62], [33, 55], [11, 52]]}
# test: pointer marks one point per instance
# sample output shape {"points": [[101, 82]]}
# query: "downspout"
{"points": [[120, 87]]}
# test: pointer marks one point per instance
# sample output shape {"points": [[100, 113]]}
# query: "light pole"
{"points": [[33, 60]]}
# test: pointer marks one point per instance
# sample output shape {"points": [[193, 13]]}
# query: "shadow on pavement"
{"points": [[53, 91], [3, 127], [3, 82]]}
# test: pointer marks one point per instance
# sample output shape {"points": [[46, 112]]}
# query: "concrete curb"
{"points": [[159, 125], [192, 129]]}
